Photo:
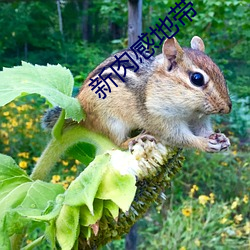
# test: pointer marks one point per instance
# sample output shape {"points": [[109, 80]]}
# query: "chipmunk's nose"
{"points": [[227, 108]]}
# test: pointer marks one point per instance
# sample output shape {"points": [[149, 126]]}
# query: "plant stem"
{"points": [[16, 240], [57, 147]]}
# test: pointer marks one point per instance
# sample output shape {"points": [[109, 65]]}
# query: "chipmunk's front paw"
{"points": [[217, 142]]}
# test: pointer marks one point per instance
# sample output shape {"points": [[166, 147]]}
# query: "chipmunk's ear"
{"points": [[197, 43], [172, 51]]}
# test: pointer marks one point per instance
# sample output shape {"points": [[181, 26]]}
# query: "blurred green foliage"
{"points": [[30, 32]]}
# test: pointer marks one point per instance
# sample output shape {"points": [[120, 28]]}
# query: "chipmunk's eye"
{"points": [[197, 79]]}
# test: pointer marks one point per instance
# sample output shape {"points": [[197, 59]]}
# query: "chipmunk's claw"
{"points": [[218, 142]]}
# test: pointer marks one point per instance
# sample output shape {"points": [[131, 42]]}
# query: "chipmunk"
{"points": [[170, 97]]}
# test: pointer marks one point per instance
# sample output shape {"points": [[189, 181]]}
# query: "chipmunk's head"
{"points": [[197, 77]]}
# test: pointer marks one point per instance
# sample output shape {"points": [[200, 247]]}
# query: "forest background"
{"points": [[207, 205]]}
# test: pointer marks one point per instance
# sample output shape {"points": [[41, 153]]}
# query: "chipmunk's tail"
{"points": [[50, 118]]}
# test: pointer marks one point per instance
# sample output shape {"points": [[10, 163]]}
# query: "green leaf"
{"points": [[86, 231], [112, 208], [118, 188], [9, 168], [83, 152], [26, 202], [6, 186], [67, 226], [83, 189], [50, 234], [14, 223], [39, 194], [53, 82], [4, 240], [11, 200], [14, 198], [86, 218], [47, 216], [20, 197]]}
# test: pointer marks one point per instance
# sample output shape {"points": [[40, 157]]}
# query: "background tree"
{"points": [[134, 20]]}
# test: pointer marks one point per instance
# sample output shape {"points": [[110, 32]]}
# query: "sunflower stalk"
{"points": [[158, 164]]}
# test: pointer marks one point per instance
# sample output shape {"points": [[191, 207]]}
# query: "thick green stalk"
{"points": [[57, 147]]}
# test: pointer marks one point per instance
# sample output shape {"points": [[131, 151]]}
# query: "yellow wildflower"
{"points": [[4, 134], [77, 162], [223, 220], [35, 159], [235, 203], [6, 113], [29, 124], [24, 154], [223, 235], [65, 185], [70, 178], [23, 164], [14, 123], [65, 163], [23, 107], [55, 178], [238, 159], [234, 152], [193, 190], [6, 141], [197, 152], [224, 164], [245, 199], [73, 168], [6, 149], [197, 242], [12, 105], [211, 195], [238, 218], [247, 227], [203, 199], [182, 248], [238, 233], [28, 241], [187, 211]]}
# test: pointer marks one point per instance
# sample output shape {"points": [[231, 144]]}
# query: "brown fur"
{"points": [[160, 99]]}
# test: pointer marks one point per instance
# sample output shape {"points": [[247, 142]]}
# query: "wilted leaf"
{"points": [[86, 218], [83, 189], [118, 188], [112, 208], [67, 226]]}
